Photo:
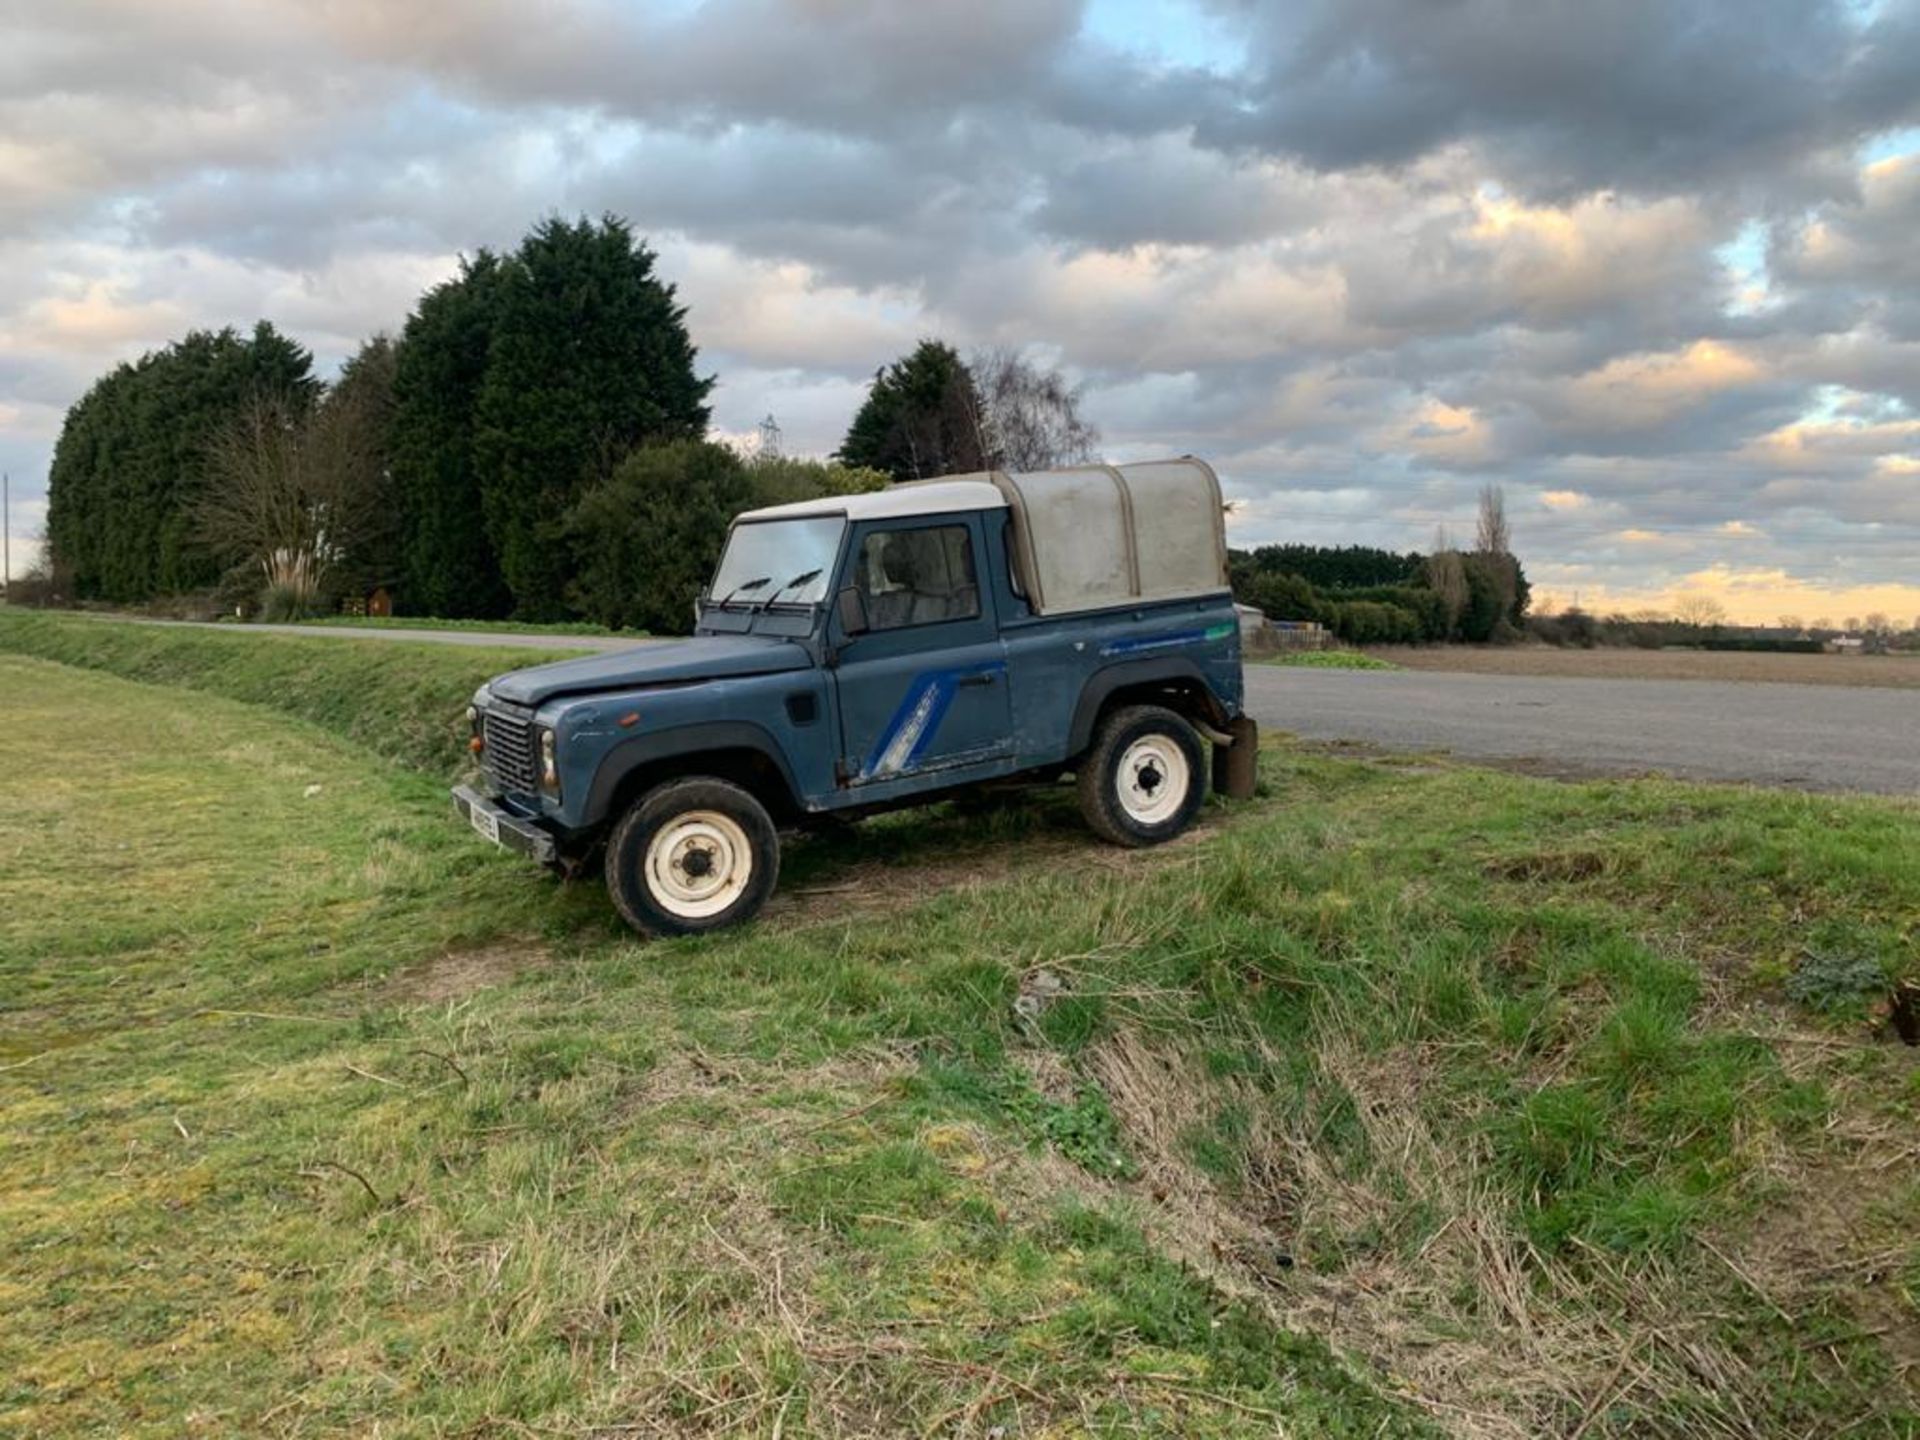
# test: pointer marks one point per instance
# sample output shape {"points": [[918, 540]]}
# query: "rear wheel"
{"points": [[1142, 781], [692, 855]]}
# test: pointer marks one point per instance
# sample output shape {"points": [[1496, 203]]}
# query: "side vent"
{"points": [[802, 708]]}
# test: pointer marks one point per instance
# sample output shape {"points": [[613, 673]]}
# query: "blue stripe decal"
{"points": [[1153, 642], [911, 731]]}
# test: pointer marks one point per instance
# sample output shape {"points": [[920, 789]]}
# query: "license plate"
{"points": [[486, 822]]}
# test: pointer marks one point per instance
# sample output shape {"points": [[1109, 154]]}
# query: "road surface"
{"points": [[1811, 737]]}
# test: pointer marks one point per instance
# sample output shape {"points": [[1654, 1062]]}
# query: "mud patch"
{"points": [[459, 973], [888, 865]]}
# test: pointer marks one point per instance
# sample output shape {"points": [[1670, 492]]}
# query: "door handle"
{"points": [[968, 680]]}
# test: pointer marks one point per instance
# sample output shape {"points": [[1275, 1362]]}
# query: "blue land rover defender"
{"points": [[862, 652]]}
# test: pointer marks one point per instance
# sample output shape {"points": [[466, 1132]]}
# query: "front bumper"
{"points": [[510, 831]]}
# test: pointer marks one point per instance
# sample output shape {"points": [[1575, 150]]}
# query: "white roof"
{"points": [[919, 497]]}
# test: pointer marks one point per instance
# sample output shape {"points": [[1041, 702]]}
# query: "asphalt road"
{"points": [[1810, 737]]}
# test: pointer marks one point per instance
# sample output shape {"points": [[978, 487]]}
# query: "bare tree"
{"points": [[1447, 578], [1792, 622], [1029, 416], [1852, 623], [1491, 535], [1700, 611], [1493, 556], [294, 495], [1879, 623]]}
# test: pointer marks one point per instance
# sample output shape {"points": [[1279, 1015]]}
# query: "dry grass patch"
{"points": [[1454, 1305]]}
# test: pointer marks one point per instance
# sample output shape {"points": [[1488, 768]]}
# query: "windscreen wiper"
{"points": [[744, 586], [800, 579]]}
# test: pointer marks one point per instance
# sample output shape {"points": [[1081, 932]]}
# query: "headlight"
{"points": [[549, 763]]}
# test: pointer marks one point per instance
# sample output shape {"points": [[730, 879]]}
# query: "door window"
{"points": [[917, 577]]}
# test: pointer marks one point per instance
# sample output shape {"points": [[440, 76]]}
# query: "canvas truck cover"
{"points": [[1102, 535]]}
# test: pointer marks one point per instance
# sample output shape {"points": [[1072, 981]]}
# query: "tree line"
{"points": [[533, 444], [1369, 596]]}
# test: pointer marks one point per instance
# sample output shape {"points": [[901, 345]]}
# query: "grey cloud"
{"points": [[1858, 255], [868, 66], [1645, 95], [1163, 191]]}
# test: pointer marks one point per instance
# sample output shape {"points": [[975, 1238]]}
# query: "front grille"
{"points": [[510, 755]]}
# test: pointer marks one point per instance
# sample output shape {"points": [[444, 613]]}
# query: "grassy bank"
{"points": [[402, 702], [478, 627], [1402, 1099]]}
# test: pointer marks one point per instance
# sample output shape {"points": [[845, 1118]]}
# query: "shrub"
{"points": [[1371, 622], [646, 538], [1487, 598], [281, 602], [1278, 596], [783, 479], [1426, 606], [42, 586], [1573, 627]]}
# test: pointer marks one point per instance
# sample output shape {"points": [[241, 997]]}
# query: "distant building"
{"points": [[376, 602], [1258, 634]]}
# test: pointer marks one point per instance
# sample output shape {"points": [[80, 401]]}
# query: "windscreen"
{"points": [[777, 553]]}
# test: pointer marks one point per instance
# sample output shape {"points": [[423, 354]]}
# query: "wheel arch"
{"points": [[1176, 683], [735, 751]]}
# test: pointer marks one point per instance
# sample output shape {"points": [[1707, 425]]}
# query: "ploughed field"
{"points": [[1899, 672], [1406, 1099]]}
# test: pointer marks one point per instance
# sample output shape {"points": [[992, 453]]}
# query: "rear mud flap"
{"points": [[1236, 767]]}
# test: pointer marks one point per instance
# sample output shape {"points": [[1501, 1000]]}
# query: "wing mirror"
{"points": [[850, 608]]}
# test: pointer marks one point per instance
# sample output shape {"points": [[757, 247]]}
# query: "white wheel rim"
{"points": [[1152, 779], [698, 864]]}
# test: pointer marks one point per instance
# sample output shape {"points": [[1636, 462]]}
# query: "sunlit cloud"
{"points": [[1760, 597]]}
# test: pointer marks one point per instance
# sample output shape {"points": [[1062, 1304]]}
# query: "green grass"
{"points": [[1393, 1096], [1328, 660]]}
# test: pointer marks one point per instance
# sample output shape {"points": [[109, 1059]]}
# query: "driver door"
{"points": [[924, 689]]}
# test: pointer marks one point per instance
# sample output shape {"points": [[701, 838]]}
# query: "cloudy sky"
{"points": [[1652, 267]]}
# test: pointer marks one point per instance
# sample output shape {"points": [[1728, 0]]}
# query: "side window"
{"points": [[917, 577]]}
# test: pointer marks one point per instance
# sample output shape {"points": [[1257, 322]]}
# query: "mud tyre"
{"points": [[1144, 778], [691, 856]]}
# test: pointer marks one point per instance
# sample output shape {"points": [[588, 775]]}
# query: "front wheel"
{"points": [[1142, 781], [692, 855]]}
